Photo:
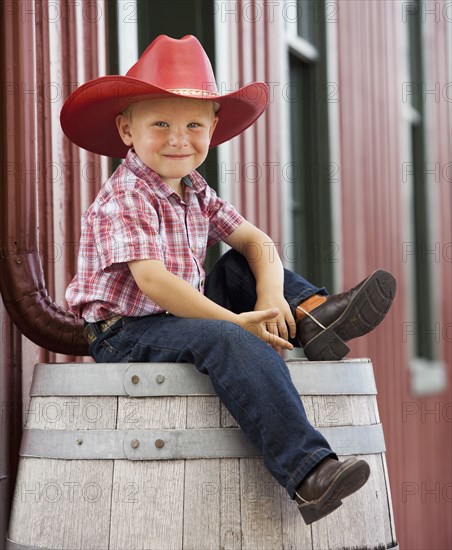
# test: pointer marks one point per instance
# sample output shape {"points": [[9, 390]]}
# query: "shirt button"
{"points": [[192, 248]]}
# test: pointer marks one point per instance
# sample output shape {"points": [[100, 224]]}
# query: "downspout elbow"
{"points": [[31, 309]]}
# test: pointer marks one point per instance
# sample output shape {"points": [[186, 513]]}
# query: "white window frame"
{"points": [[223, 75], [304, 50], [127, 11], [427, 376]]}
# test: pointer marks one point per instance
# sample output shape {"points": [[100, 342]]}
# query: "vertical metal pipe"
{"points": [[10, 415]]}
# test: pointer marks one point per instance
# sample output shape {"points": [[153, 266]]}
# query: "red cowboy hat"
{"points": [[168, 68]]}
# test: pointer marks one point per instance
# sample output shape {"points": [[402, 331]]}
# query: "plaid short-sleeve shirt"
{"points": [[136, 216]]}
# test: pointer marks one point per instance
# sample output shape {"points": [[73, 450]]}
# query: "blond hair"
{"points": [[127, 111]]}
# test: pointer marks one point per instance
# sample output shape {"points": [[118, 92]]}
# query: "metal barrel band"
{"points": [[179, 444], [352, 377]]}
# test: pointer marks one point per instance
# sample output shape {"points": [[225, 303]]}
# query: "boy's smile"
{"points": [[171, 135]]}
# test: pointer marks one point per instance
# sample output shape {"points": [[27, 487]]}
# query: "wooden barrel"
{"points": [[144, 456]]}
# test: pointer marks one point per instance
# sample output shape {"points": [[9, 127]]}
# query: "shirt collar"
{"points": [[194, 181]]}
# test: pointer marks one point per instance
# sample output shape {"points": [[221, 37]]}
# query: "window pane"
{"points": [[307, 17], [311, 250], [421, 276]]}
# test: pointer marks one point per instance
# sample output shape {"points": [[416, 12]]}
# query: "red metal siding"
{"points": [[34, 151], [256, 153], [16, 149], [374, 213], [441, 60]]}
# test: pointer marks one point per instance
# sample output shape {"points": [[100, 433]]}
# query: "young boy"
{"points": [[140, 284]]}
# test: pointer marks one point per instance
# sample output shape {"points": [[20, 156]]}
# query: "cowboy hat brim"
{"points": [[89, 113]]}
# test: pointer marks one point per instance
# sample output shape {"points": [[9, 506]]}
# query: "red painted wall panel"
{"points": [[257, 192], [375, 212], [40, 46]]}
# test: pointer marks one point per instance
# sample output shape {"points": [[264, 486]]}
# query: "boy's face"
{"points": [[171, 135]]}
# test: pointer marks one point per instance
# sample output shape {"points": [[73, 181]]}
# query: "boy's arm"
{"points": [[265, 263], [179, 298]]}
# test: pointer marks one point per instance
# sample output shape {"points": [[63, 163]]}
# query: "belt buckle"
{"points": [[89, 334], [104, 325]]}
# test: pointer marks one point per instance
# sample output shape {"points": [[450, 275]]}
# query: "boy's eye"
{"points": [[194, 125], [161, 124]]}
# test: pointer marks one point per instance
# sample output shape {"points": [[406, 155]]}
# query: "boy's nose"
{"points": [[178, 138]]}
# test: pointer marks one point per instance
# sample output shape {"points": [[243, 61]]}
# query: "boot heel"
{"points": [[312, 512], [327, 346]]}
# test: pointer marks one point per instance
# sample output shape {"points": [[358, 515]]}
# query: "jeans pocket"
{"points": [[111, 348]]}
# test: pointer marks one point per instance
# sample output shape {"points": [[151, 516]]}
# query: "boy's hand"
{"points": [[283, 324], [257, 322]]}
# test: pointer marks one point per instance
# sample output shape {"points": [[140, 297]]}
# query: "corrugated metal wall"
{"points": [[375, 213], [42, 46], [256, 154]]}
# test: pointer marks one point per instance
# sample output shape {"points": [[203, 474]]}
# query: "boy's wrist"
{"points": [[268, 288], [269, 280]]}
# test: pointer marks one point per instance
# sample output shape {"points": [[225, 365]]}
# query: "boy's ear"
{"points": [[213, 126], [123, 125]]}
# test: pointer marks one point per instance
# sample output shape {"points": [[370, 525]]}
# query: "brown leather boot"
{"points": [[322, 490], [324, 331]]}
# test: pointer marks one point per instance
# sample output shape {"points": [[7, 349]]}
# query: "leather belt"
{"points": [[90, 334]]}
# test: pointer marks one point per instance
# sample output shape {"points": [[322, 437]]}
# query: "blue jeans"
{"points": [[249, 376]]}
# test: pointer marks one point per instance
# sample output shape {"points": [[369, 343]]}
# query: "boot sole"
{"points": [[366, 310], [349, 479]]}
